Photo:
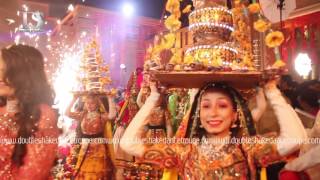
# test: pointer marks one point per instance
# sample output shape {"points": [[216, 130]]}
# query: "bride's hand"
{"points": [[272, 83]]}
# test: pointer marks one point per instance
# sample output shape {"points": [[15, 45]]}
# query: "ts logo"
{"points": [[27, 26]]}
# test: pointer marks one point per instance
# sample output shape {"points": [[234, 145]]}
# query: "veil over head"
{"points": [[190, 126]]}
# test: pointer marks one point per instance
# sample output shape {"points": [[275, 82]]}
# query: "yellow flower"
{"points": [[234, 64], [274, 39], [168, 41], [156, 50], [104, 68], [261, 25], [216, 62], [172, 5], [176, 13], [247, 61], [172, 23], [237, 1], [187, 9], [278, 64], [177, 67], [113, 92], [149, 52], [254, 8], [188, 59], [176, 58], [105, 80]]}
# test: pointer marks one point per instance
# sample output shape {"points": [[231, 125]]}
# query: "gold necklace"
{"points": [[213, 149]]}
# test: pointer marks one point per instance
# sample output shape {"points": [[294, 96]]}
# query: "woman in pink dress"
{"points": [[28, 130]]}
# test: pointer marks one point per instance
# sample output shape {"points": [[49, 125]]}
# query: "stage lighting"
{"points": [[122, 66], [127, 9], [303, 64]]}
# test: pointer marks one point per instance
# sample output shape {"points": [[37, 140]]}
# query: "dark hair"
{"points": [[308, 92], [25, 73], [236, 100], [287, 80], [105, 103], [310, 97]]}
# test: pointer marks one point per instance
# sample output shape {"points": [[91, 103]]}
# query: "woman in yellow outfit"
{"points": [[95, 159]]}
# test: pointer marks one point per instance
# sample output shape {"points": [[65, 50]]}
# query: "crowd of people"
{"points": [[146, 110]]}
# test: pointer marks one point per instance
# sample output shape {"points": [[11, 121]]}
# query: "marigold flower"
{"points": [[105, 80], [254, 8], [172, 23], [274, 39], [113, 92], [168, 41], [279, 64], [188, 59], [187, 9], [261, 25], [172, 5]]}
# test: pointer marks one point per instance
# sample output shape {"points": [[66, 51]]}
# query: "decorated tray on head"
{"points": [[94, 76], [221, 50]]}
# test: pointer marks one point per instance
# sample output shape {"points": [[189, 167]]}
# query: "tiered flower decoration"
{"points": [[95, 74], [163, 47], [211, 24]]}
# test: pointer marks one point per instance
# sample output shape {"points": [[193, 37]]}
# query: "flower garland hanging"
{"points": [[273, 39]]}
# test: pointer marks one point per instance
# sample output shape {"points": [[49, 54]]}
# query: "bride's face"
{"points": [[216, 113]]}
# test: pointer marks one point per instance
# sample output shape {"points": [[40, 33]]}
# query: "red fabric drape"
{"points": [[296, 38]]}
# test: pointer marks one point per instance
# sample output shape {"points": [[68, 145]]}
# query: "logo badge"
{"points": [[35, 26]]}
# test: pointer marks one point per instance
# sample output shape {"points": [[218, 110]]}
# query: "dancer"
{"points": [[218, 114], [27, 115], [95, 159]]}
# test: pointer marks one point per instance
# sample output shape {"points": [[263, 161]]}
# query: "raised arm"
{"points": [[291, 128], [112, 108], [131, 139], [305, 161], [139, 98], [261, 105], [69, 113], [312, 156], [168, 122]]}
